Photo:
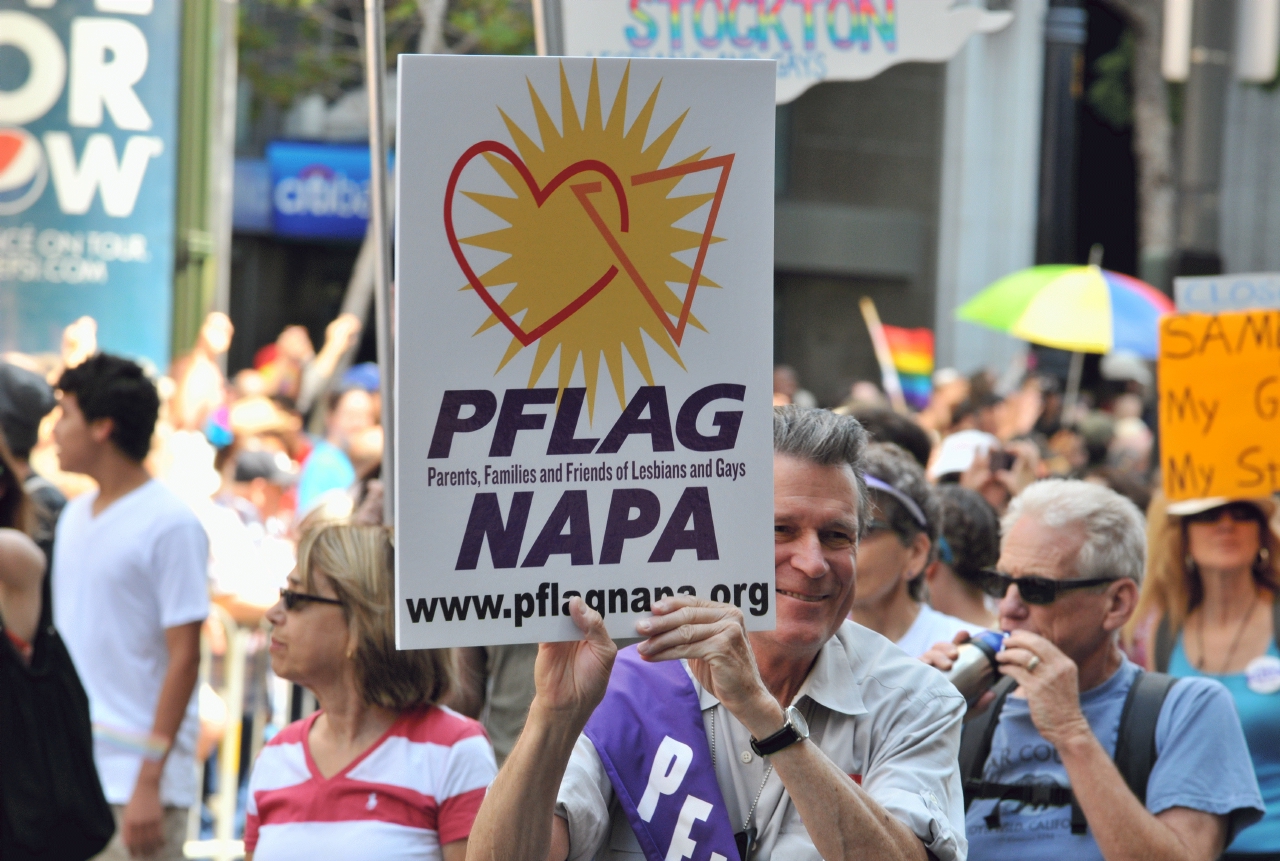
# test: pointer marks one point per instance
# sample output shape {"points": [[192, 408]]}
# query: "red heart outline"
{"points": [[540, 196]]}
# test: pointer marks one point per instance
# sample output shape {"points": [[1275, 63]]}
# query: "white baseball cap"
{"points": [[1188, 507]]}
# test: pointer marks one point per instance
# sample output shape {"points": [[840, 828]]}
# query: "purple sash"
{"points": [[648, 732]]}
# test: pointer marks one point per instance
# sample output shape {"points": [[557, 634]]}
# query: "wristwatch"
{"points": [[795, 729]]}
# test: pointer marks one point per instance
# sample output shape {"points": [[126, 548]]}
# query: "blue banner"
{"points": [[88, 147], [319, 190]]}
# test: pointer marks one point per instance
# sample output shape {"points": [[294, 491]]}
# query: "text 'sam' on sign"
{"points": [[1220, 404], [583, 330]]}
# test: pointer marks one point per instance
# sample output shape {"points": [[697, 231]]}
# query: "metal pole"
{"points": [[550, 14], [1065, 31], [1073, 388], [375, 48], [539, 28], [1203, 117], [223, 147], [223, 154]]}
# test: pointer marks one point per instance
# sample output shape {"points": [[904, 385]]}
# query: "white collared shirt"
{"points": [[889, 721]]}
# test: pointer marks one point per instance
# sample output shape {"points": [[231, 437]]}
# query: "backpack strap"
{"points": [[975, 742], [1136, 742], [1135, 751], [1166, 639], [1275, 618]]}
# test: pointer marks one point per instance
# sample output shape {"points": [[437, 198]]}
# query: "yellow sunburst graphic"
{"points": [[591, 238]]}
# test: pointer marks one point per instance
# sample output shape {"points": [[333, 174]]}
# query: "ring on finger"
{"points": [[1033, 663]]}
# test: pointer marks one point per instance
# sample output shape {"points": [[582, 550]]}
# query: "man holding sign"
{"points": [[818, 739]]}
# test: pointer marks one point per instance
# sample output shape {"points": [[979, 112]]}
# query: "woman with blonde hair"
{"points": [[381, 770], [1208, 608]]}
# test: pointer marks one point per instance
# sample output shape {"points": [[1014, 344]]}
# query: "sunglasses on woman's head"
{"points": [[292, 599], [1034, 590], [1239, 512]]}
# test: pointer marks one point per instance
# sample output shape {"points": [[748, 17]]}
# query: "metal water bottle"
{"points": [[975, 669]]}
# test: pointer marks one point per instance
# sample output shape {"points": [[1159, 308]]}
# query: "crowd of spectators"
{"points": [[1007, 510]]}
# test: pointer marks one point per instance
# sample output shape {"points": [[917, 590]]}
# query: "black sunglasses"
{"points": [[1034, 590], [1239, 512], [292, 599]]}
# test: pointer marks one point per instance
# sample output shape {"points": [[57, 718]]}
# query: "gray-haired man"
{"points": [[876, 779], [1041, 781]]}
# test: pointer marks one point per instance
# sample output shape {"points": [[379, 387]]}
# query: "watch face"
{"points": [[796, 718]]}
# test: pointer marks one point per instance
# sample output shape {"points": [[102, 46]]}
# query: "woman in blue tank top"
{"points": [[1208, 608]]}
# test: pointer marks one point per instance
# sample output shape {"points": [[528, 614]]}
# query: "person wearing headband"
{"points": [[899, 541]]}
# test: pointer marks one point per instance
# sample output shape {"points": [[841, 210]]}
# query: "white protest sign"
{"points": [[584, 294], [1213, 294], [811, 40]]}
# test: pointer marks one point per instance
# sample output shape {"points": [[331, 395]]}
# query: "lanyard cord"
{"points": [[746, 823]]}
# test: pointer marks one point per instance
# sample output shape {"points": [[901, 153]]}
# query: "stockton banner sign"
{"points": [[88, 103], [811, 40], [583, 320]]}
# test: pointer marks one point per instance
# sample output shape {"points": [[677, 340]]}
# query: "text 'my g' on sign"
{"points": [[1219, 378], [584, 319], [88, 148]]}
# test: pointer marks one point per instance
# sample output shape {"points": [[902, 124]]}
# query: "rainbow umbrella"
{"points": [[1084, 309]]}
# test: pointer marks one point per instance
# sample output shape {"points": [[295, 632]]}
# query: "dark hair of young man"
{"points": [[112, 387]]}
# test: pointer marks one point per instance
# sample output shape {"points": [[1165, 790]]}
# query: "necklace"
{"points": [[746, 823], [1244, 623]]}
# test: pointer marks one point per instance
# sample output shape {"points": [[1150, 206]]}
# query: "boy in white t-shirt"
{"points": [[129, 596]]}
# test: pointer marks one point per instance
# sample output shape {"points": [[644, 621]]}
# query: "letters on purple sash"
{"points": [[648, 732]]}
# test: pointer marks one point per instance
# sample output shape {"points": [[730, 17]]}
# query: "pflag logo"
{"points": [[621, 284], [23, 170]]}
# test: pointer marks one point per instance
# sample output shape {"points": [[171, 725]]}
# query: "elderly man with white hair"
{"points": [[1090, 758]]}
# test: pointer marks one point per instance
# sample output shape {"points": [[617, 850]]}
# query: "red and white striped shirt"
{"points": [[417, 788]]}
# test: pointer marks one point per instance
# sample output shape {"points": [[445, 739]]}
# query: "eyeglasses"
{"points": [[1239, 512], [876, 526], [292, 599], [1034, 590]]}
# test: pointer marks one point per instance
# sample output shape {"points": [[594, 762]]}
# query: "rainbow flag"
{"points": [[912, 351]]}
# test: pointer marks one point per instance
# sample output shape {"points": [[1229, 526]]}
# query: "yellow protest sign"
{"points": [[1219, 377]]}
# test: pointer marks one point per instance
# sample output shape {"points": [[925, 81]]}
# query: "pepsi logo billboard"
{"points": [[88, 146], [24, 172]]}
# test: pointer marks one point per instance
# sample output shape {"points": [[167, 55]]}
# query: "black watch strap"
{"points": [[780, 740]]}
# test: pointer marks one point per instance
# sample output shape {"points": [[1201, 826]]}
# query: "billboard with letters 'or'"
{"points": [[584, 278], [88, 144]]}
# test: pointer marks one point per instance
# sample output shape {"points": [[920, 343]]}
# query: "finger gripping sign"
{"points": [[1219, 378], [583, 328]]}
